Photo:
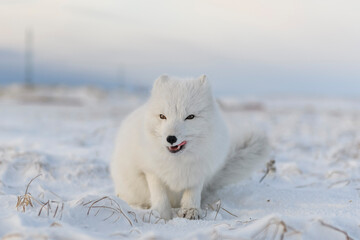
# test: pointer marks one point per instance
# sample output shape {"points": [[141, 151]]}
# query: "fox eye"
{"points": [[190, 117], [162, 116]]}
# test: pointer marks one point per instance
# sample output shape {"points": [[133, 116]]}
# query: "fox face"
{"points": [[180, 113]]}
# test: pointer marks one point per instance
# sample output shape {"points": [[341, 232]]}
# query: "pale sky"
{"points": [[245, 47]]}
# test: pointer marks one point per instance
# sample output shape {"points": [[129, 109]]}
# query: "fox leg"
{"points": [[158, 196], [190, 203]]}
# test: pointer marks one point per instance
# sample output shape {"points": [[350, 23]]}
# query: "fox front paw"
{"points": [[190, 213]]}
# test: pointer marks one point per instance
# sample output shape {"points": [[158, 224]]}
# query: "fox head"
{"points": [[180, 113]]}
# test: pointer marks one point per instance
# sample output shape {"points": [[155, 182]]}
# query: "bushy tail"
{"points": [[246, 154]]}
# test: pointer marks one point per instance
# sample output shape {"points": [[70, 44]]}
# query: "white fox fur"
{"points": [[147, 174]]}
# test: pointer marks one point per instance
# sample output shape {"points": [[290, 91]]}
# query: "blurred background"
{"points": [[280, 47]]}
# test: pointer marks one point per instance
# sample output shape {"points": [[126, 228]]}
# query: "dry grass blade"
{"points": [[205, 214], [112, 214], [247, 222], [27, 187], [217, 209], [93, 203], [55, 224], [229, 212], [26, 199], [156, 218], [270, 167], [58, 211], [280, 227], [282, 223], [23, 202], [159, 219], [135, 230], [114, 208], [62, 209], [46, 204], [126, 235], [134, 215], [342, 183], [13, 236], [336, 229], [57, 207], [150, 214], [218, 206]]}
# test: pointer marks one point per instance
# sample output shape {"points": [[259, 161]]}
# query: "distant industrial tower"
{"points": [[29, 57]]}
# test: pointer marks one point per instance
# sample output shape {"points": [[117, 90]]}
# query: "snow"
{"points": [[67, 135]]}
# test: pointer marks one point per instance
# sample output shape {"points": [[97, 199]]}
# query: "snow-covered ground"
{"points": [[65, 137]]}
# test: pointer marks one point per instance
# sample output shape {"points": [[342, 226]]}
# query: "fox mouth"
{"points": [[177, 148]]}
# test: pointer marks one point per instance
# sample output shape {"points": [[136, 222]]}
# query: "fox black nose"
{"points": [[171, 139]]}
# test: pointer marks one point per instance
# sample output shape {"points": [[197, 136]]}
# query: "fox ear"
{"points": [[203, 80], [161, 80]]}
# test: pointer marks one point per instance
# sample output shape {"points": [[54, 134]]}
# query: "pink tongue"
{"points": [[178, 146]]}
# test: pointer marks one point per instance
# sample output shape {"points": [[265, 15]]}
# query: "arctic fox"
{"points": [[176, 149]]}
